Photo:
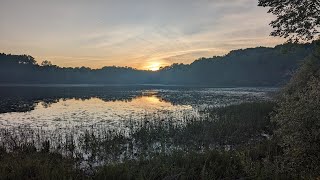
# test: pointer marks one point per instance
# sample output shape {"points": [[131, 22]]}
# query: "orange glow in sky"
{"points": [[141, 34], [154, 66]]}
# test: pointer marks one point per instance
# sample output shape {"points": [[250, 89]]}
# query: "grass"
{"points": [[178, 165], [27, 163], [227, 143]]}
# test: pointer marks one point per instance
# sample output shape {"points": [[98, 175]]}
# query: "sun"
{"points": [[154, 66]]}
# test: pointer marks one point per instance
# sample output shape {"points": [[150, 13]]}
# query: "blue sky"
{"points": [[136, 33]]}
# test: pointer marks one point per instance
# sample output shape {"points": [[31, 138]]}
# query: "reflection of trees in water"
{"points": [[23, 99]]}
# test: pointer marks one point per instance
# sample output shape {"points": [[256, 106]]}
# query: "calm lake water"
{"points": [[82, 107]]}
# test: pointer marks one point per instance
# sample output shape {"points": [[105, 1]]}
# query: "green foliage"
{"points": [[296, 19], [298, 115], [298, 120]]}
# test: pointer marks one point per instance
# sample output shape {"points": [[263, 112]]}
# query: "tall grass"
{"points": [[211, 147]]}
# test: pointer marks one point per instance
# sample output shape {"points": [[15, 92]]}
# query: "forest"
{"points": [[274, 139], [260, 66]]}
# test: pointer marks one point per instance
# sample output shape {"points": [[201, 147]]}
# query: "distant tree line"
{"points": [[259, 66]]}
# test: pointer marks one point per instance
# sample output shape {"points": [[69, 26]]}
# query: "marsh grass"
{"points": [[27, 163], [178, 165], [214, 146]]}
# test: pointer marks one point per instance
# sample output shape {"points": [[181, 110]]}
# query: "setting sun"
{"points": [[154, 66]]}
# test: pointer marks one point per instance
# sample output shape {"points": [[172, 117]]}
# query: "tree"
{"points": [[298, 113], [46, 63], [296, 19], [298, 120]]}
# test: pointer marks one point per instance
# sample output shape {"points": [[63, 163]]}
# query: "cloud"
{"points": [[126, 32]]}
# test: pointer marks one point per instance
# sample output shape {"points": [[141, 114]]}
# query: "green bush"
{"points": [[298, 120]]}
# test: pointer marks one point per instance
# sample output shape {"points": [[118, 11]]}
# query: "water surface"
{"points": [[85, 107]]}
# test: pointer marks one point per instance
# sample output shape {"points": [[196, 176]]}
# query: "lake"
{"points": [[107, 124], [81, 107]]}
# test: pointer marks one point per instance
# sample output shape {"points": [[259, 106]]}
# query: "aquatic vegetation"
{"points": [[219, 131]]}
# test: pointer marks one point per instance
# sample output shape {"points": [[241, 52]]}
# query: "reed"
{"points": [[211, 146]]}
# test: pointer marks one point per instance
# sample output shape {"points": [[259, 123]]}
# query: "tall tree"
{"points": [[296, 19], [298, 113], [298, 120]]}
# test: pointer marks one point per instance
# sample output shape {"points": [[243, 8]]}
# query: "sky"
{"points": [[144, 34]]}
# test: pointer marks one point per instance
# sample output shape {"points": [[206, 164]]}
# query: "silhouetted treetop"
{"points": [[259, 66], [296, 19], [46, 63]]}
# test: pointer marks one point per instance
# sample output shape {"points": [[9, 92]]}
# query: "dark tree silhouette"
{"points": [[296, 19], [46, 63], [298, 115], [245, 67]]}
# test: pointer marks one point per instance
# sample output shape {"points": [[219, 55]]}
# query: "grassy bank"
{"points": [[228, 143]]}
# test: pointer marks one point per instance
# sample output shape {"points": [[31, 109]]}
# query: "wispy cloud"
{"points": [[132, 33]]}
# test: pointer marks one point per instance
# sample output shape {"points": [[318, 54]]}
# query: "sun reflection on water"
{"points": [[87, 112]]}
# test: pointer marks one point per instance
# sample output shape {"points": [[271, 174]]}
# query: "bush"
{"points": [[298, 120]]}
